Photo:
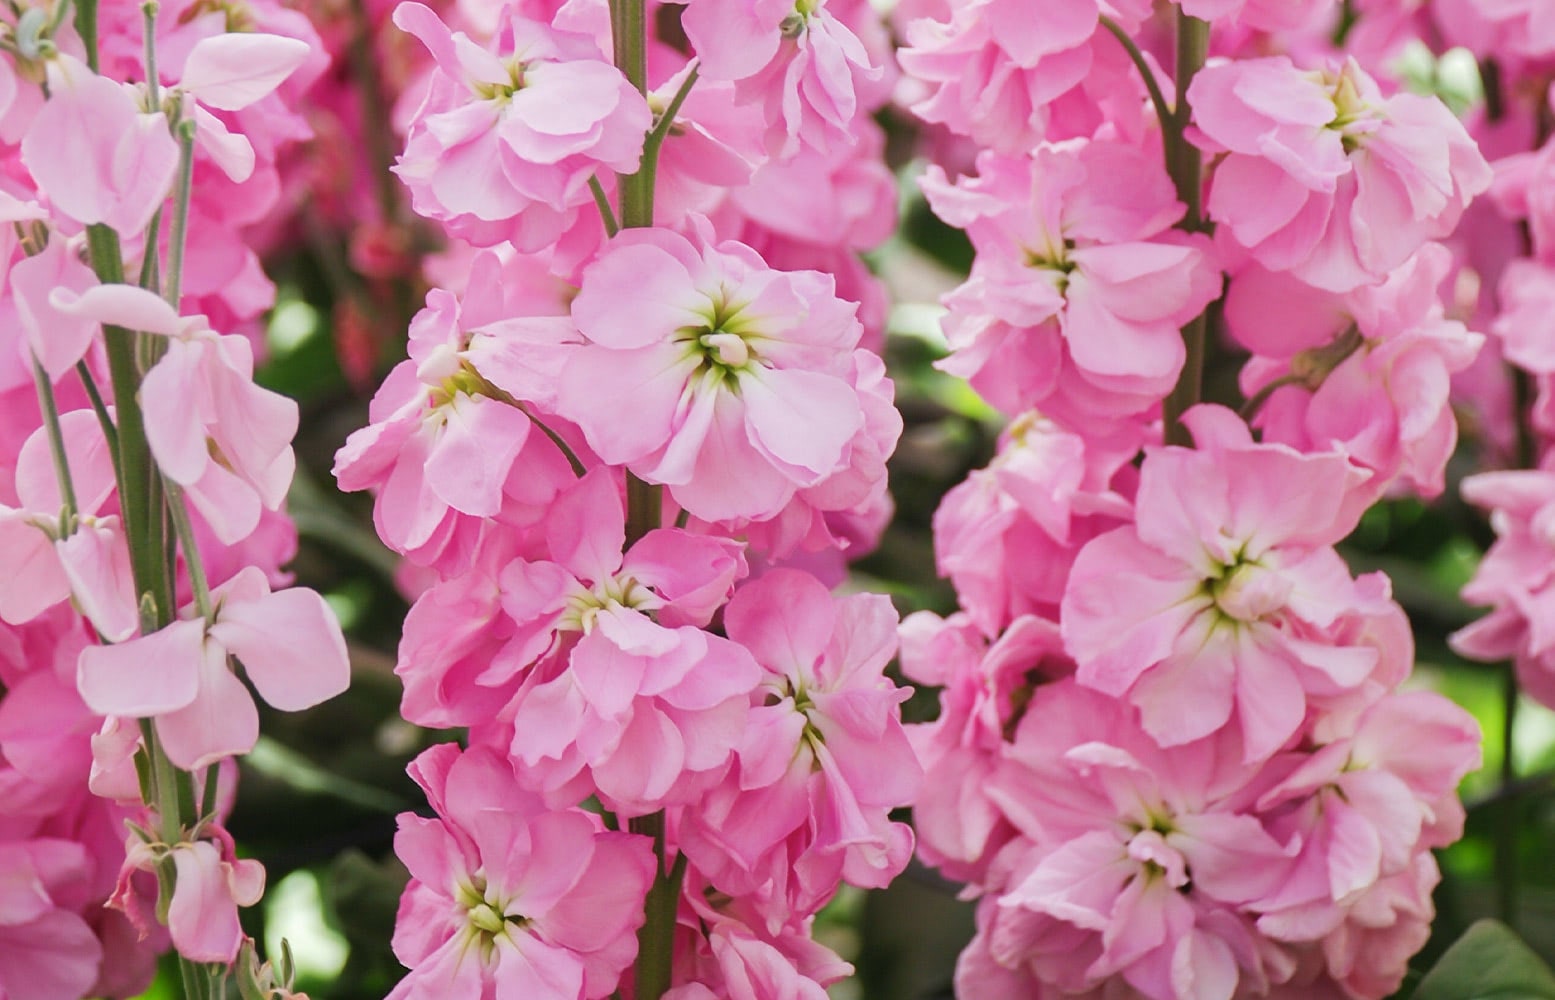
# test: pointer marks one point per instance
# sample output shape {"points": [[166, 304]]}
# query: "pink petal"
{"points": [[233, 70], [220, 722], [290, 646], [143, 677]]}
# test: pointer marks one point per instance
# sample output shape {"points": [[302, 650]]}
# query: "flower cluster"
{"points": [[1173, 758], [617, 456], [141, 505]]}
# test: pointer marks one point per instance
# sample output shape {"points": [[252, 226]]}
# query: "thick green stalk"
{"points": [[1186, 165], [140, 485], [644, 507]]}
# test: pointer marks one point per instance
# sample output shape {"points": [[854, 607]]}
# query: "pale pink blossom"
{"points": [[1224, 603], [288, 642], [739, 380], [507, 897], [823, 758], [509, 134], [210, 427], [95, 154], [211, 882], [1323, 176], [1516, 579], [50, 559], [1079, 287]]}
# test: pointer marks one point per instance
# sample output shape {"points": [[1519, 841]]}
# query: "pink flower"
{"points": [[1135, 863], [987, 686], [508, 136], [56, 339], [288, 642], [448, 433], [507, 897], [1378, 390], [1078, 290], [209, 426], [1323, 176], [1264, 15], [47, 951], [798, 60], [1011, 77], [823, 759], [1523, 29], [211, 882], [1362, 805], [1007, 535], [96, 155], [1225, 600], [627, 696], [1516, 579], [731, 383]]}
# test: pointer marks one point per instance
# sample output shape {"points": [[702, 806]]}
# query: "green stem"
{"points": [[104, 419], [178, 512], [602, 201], [656, 937], [140, 490], [50, 408], [645, 508], [1509, 828], [148, 12], [1186, 165], [1163, 110], [86, 27], [178, 236]]}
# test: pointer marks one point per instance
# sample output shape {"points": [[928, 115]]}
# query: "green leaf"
{"points": [[1489, 962]]}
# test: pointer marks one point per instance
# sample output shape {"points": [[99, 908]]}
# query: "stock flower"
{"points": [[1078, 289], [1007, 535], [447, 429], [1225, 599], [506, 141], [1515, 578], [509, 898], [1325, 177], [795, 58], [1134, 863], [47, 951], [1376, 384], [1011, 77], [732, 384], [630, 697], [823, 758]]}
